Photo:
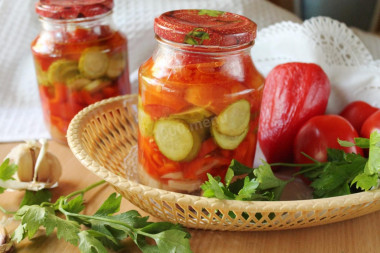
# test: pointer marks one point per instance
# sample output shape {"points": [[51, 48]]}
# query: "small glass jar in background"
{"points": [[199, 99], [80, 58]]}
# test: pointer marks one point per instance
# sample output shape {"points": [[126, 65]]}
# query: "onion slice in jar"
{"points": [[173, 175], [184, 185]]}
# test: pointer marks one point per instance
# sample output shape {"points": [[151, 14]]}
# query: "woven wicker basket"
{"points": [[103, 138]]}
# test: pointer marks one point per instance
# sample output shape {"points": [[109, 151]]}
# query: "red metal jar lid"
{"points": [[205, 27], [71, 9]]}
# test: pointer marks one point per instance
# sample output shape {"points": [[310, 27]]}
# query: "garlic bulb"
{"points": [[6, 245], [35, 164]]}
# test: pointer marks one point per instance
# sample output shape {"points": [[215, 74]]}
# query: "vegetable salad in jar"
{"points": [[79, 59], [199, 99]]}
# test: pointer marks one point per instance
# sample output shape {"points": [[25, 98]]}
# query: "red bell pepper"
{"points": [[293, 93]]}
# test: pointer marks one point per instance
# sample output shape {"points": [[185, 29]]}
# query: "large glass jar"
{"points": [[199, 99], [79, 59]]}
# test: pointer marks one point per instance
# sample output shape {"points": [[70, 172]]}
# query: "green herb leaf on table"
{"points": [[110, 206], [36, 198], [89, 244], [75, 205], [7, 172], [95, 233]]}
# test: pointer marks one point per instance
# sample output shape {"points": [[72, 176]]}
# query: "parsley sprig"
{"points": [[343, 173], [258, 184], [98, 232]]}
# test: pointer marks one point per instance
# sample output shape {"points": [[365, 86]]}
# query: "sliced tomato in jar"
{"points": [[162, 103]]}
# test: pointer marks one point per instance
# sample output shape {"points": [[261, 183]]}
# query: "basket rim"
{"points": [[121, 183]]}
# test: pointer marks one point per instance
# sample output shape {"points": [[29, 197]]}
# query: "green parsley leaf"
{"points": [[75, 205], [266, 178], [36, 198], [172, 241], [132, 218], [66, 229], [336, 176], [214, 188], [32, 217], [239, 168], [211, 13], [365, 181], [89, 244], [7, 170], [248, 190], [373, 166], [110, 206], [259, 184], [359, 142], [19, 234]]}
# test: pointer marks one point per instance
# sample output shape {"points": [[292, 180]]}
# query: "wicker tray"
{"points": [[103, 138]]}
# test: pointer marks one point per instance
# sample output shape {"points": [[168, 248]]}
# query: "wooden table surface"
{"points": [[357, 235]]}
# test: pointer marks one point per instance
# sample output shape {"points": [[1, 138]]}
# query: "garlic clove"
{"points": [[55, 167], [22, 156], [43, 174]]}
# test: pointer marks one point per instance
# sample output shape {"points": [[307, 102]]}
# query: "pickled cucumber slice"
{"points": [[93, 63], [77, 82], [226, 141], [193, 115], [173, 138], [42, 76], [96, 85], [116, 66], [196, 147], [198, 119], [146, 123], [62, 70], [234, 120]]}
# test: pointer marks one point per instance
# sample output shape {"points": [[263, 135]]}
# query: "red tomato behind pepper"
{"points": [[357, 112], [293, 93], [322, 132], [371, 124]]}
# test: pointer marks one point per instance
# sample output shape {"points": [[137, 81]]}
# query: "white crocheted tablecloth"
{"points": [[20, 108]]}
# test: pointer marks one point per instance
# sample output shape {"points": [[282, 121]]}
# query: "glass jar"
{"points": [[79, 59], [199, 99]]}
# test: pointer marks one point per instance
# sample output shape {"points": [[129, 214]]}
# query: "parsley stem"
{"points": [[4, 211], [88, 188], [66, 213], [306, 170]]}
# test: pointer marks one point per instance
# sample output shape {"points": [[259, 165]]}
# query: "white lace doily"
{"points": [[353, 73]]}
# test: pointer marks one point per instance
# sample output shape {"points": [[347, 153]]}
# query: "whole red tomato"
{"points": [[371, 124], [357, 112], [322, 132]]}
